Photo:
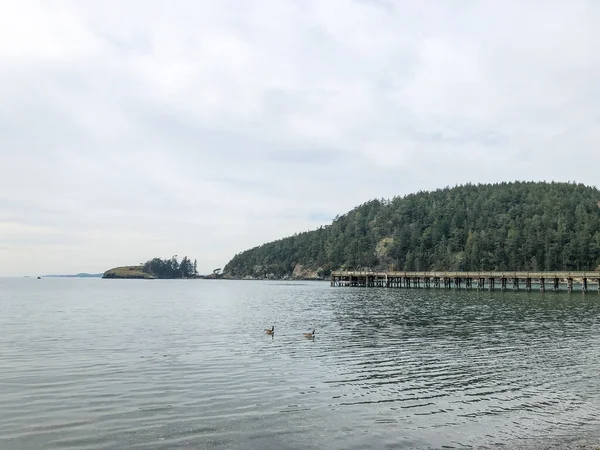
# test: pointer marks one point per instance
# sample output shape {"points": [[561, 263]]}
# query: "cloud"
{"points": [[140, 129]]}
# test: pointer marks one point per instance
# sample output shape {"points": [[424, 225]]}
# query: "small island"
{"points": [[156, 268], [133, 272]]}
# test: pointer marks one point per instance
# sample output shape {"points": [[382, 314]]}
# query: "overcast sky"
{"points": [[140, 128]]}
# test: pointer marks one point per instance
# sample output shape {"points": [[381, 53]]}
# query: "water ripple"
{"points": [[104, 364]]}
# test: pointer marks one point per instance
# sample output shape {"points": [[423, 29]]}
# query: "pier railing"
{"points": [[480, 280]]}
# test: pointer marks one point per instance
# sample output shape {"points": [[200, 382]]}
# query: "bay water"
{"points": [[163, 364]]}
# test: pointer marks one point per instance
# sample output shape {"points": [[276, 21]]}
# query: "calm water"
{"points": [[113, 364]]}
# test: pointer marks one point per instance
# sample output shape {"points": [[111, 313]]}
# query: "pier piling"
{"points": [[569, 281]]}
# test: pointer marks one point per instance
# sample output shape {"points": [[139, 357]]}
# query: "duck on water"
{"points": [[310, 335], [306, 335]]}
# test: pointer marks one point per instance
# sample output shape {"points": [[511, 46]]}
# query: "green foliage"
{"points": [[171, 268], [506, 226]]}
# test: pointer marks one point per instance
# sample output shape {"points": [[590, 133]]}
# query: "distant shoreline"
{"points": [[79, 275], [138, 272], [287, 280]]}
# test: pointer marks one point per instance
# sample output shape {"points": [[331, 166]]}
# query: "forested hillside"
{"points": [[507, 226]]}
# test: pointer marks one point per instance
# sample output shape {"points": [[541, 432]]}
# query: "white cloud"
{"points": [[129, 130]]}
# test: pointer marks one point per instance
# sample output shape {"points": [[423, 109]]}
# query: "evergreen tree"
{"points": [[171, 268], [186, 268]]}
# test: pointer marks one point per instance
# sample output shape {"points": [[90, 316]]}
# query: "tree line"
{"points": [[535, 226], [171, 268]]}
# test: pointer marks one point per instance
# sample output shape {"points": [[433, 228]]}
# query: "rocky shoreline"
{"points": [[300, 273], [136, 273], [270, 278]]}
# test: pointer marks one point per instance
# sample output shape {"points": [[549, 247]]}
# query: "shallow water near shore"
{"points": [[108, 364]]}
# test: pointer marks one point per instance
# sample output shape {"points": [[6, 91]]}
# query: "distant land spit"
{"points": [[79, 275]]}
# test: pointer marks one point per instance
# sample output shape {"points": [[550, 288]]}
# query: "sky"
{"points": [[145, 128]]}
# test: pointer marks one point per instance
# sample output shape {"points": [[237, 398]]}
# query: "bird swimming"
{"points": [[310, 335], [271, 331]]}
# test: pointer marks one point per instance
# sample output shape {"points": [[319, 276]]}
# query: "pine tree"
{"points": [[171, 268]]}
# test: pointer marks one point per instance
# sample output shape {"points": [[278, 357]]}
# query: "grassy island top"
{"points": [[128, 272]]}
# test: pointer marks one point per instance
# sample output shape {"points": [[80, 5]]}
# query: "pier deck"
{"points": [[555, 281]]}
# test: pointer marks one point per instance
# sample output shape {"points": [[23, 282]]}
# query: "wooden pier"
{"points": [[544, 281]]}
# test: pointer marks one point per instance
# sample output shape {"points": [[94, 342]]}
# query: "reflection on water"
{"points": [[186, 364]]}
